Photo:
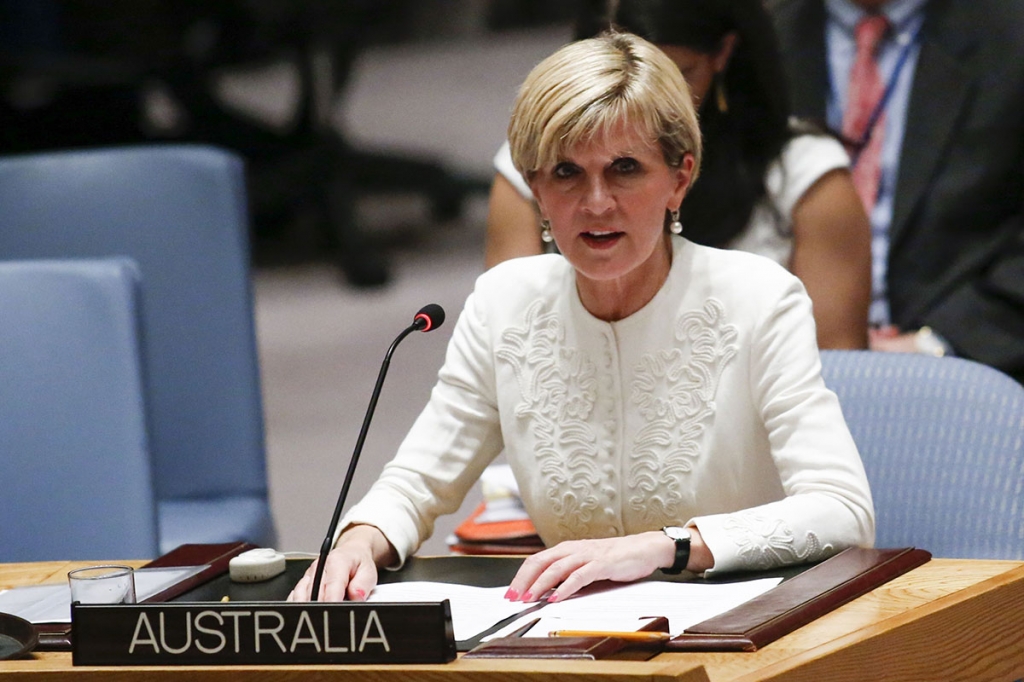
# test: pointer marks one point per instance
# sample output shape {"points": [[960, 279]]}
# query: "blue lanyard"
{"points": [[857, 146]]}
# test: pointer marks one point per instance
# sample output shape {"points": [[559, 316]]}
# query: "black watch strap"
{"points": [[682, 542]]}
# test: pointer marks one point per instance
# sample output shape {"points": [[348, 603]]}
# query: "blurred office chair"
{"points": [[942, 441], [76, 73], [75, 479], [180, 213]]}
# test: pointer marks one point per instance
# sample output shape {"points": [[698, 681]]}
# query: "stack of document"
{"points": [[500, 524], [606, 606]]}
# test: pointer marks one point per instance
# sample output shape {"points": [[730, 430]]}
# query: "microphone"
{"points": [[429, 318]]}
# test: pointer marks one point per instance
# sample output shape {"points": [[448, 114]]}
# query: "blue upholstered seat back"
{"points": [[75, 476], [180, 212], [942, 440]]}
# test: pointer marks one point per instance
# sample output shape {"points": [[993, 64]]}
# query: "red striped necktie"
{"points": [[865, 92]]}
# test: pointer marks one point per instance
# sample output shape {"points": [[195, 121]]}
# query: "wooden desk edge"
{"points": [[947, 615], [460, 671]]}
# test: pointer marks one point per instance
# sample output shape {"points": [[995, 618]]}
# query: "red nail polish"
{"points": [[553, 598], [527, 596], [359, 594], [511, 595]]}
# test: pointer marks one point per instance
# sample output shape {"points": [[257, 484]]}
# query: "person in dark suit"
{"points": [[948, 209]]}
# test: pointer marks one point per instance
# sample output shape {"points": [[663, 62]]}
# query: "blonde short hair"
{"points": [[589, 86]]}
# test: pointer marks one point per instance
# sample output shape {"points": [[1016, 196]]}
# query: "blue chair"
{"points": [[180, 212], [75, 475], [942, 441]]}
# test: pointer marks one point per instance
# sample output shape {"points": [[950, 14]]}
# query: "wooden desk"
{"points": [[947, 620]]}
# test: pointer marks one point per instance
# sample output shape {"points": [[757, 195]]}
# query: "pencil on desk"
{"points": [[634, 636]]}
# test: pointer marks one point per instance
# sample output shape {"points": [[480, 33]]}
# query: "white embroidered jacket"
{"points": [[707, 405]]}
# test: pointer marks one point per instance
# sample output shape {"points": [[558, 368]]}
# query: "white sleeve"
{"points": [[803, 161], [828, 504], [503, 164], [455, 437]]}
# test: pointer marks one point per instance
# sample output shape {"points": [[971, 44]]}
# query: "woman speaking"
{"points": [[659, 402]]}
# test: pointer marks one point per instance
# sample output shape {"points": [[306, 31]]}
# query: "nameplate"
{"points": [[262, 633]]}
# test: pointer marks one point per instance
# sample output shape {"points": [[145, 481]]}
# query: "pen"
{"points": [[635, 636]]}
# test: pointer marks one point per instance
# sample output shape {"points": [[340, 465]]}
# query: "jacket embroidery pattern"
{"points": [[558, 389], [764, 543], [674, 391]]}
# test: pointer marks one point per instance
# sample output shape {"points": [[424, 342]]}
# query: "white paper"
{"points": [[501, 496], [500, 479], [502, 509], [545, 625], [474, 609], [621, 607], [52, 603], [606, 606]]}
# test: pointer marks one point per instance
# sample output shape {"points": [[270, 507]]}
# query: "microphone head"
{"points": [[429, 318]]}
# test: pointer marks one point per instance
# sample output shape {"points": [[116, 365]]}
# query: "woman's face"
{"points": [[700, 68], [606, 203]]}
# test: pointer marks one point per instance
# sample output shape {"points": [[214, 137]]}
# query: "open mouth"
{"points": [[600, 238]]}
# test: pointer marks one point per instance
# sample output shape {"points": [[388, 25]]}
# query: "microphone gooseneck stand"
{"points": [[427, 319]]}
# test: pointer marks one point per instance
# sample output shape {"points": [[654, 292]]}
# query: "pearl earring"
{"points": [[545, 232], [675, 227]]}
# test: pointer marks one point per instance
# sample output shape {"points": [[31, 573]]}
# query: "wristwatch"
{"points": [[680, 536]]}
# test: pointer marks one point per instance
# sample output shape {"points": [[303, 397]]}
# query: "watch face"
{"points": [[677, 533]]}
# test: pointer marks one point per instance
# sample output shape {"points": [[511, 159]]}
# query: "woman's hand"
{"points": [[570, 566], [889, 339], [351, 569]]}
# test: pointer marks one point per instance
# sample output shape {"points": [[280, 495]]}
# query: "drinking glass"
{"points": [[109, 584]]}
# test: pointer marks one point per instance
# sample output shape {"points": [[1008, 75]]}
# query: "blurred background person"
{"points": [[929, 94], [768, 185]]}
